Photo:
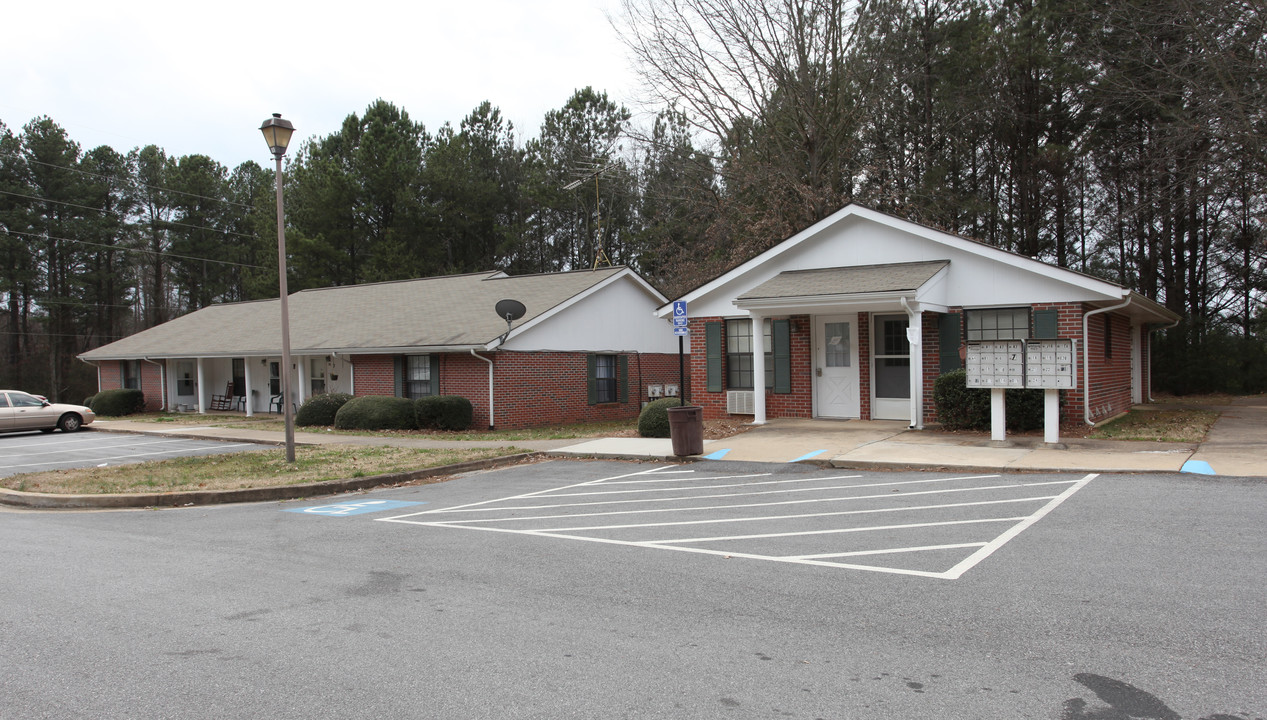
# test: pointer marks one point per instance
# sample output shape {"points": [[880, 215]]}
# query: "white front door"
{"points": [[836, 366], [891, 373]]}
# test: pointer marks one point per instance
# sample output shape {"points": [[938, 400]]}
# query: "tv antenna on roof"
{"points": [[587, 171]]}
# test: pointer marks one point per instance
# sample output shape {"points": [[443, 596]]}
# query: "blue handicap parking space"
{"points": [[359, 507]]}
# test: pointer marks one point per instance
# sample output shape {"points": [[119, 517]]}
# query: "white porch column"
{"points": [[302, 391], [246, 401], [915, 337], [202, 403], [758, 369]]}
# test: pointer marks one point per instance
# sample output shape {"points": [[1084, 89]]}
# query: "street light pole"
{"points": [[277, 134]]}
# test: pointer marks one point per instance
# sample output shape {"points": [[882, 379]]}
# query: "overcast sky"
{"points": [[201, 77]]}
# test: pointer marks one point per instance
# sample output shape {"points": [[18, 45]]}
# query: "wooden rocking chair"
{"points": [[225, 401]]}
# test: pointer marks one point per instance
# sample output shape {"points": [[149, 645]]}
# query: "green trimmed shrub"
{"points": [[653, 421], [116, 403], [376, 412], [444, 412], [320, 409], [962, 408]]}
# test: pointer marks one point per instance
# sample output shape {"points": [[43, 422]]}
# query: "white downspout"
{"points": [[1086, 358], [162, 379], [915, 336], [490, 386], [1149, 379]]}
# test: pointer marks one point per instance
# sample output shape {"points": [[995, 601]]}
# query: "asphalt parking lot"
{"points": [[645, 590], [37, 452], [935, 525]]}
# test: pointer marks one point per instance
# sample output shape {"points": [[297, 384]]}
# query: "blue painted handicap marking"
{"points": [[360, 507], [717, 455], [1199, 467]]}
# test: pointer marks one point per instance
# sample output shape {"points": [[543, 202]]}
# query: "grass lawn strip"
{"points": [[1187, 424], [255, 469]]}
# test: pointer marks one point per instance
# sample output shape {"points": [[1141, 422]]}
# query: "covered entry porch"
{"points": [[866, 350]]}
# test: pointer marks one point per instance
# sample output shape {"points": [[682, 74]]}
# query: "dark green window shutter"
{"points": [[712, 356], [781, 337], [1046, 324], [622, 378], [400, 376], [591, 378], [435, 374], [950, 332]]}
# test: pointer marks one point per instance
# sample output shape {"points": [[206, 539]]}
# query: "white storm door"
{"points": [[836, 366], [891, 374]]}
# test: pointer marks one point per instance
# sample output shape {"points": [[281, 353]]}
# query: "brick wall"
{"points": [[111, 374], [931, 330], [531, 389], [1109, 374], [864, 366], [798, 403]]}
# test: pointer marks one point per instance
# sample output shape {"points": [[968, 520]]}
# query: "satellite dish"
{"points": [[512, 310]]}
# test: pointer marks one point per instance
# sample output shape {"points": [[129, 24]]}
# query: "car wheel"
{"points": [[70, 422]]}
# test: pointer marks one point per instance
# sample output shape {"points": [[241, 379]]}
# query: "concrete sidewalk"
{"points": [[1236, 445]]}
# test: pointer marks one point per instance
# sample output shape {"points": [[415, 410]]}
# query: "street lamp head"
{"points": [[277, 134]]}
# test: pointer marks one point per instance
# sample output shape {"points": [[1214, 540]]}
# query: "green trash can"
{"points": [[686, 429]]}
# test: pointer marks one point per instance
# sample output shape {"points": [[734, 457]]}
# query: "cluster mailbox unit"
{"points": [[1047, 365]]}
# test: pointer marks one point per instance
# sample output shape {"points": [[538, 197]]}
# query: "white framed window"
{"points": [[417, 376]]}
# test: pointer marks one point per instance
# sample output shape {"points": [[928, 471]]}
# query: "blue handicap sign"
{"points": [[357, 507], [680, 330]]}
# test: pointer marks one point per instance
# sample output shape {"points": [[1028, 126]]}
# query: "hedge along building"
{"points": [[861, 312], [587, 347]]}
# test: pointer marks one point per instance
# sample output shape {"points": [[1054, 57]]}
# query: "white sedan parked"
{"points": [[24, 411]]}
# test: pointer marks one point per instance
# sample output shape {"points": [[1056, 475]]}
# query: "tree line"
{"points": [[1123, 140]]}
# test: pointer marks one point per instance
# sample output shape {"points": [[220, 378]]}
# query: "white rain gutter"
{"points": [[162, 379], [1150, 355], [1086, 358], [490, 386]]}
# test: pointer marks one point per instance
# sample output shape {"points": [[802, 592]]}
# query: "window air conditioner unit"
{"points": [[740, 402]]}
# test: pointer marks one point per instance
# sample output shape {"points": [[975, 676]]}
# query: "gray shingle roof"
{"points": [[451, 311], [895, 277]]}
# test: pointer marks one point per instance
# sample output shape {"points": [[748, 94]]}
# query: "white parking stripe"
{"points": [[114, 457], [833, 531], [845, 498], [999, 541], [401, 518], [885, 551], [957, 526], [60, 448]]}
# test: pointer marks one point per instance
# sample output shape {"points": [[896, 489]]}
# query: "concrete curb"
{"points": [[55, 501]]}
